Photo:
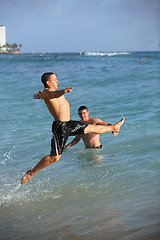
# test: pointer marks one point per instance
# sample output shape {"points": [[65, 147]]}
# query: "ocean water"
{"points": [[107, 194]]}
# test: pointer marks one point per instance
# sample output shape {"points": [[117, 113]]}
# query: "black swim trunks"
{"points": [[61, 131], [99, 147]]}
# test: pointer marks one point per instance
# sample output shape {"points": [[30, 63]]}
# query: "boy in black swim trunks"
{"points": [[62, 127]]}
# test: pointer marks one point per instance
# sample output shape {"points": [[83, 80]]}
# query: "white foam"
{"points": [[109, 54], [17, 193], [117, 53]]}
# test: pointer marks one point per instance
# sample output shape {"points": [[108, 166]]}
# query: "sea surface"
{"points": [[89, 194]]}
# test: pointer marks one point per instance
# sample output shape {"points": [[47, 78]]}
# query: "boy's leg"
{"points": [[44, 162], [99, 129]]}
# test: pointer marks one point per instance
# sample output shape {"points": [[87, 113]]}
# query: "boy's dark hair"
{"points": [[82, 108], [45, 77]]}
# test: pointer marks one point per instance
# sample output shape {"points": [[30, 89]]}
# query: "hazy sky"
{"points": [[82, 25]]}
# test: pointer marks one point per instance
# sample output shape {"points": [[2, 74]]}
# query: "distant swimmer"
{"points": [[141, 59], [62, 127], [42, 56], [91, 140], [56, 57]]}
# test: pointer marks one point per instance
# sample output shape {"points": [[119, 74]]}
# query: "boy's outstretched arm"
{"points": [[47, 94]]}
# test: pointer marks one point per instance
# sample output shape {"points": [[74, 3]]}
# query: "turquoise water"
{"points": [[111, 193]]}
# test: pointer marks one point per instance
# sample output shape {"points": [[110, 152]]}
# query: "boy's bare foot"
{"points": [[115, 133], [26, 177], [117, 126]]}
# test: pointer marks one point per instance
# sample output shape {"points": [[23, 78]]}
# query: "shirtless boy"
{"points": [[90, 140], [62, 127]]}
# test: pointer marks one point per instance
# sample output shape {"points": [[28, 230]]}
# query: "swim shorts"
{"points": [[99, 147], [61, 131]]}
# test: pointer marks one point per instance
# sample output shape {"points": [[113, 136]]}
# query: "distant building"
{"points": [[2, 38]]}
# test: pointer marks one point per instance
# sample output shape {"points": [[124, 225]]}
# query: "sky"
{"points": [[82, 25]]}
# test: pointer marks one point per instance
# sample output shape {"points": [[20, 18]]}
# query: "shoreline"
{"points": [[12, 52]]}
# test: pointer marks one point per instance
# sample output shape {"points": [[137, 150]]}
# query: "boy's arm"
{"points": [[74, 141], [98, 121], [46, 94]]}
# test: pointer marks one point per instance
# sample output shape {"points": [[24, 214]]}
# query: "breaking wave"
{"points": [[109, 54]]}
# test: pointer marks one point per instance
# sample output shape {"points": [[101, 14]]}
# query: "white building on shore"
{"points": [[2, 38]]}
